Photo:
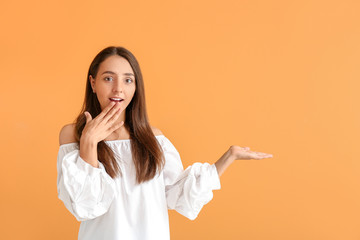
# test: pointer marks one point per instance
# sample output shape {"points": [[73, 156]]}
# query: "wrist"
{"points": [[225, 161], [232, 153], [88, 151], [231, 157], [88, 141]]}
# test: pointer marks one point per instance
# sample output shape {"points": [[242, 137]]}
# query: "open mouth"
{"points": [[116, 99]]}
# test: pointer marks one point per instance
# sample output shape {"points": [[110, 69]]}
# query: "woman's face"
{"points": [[114, 81]]}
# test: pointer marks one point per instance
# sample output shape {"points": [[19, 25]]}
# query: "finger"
{"points": [[106, 110], [259, 153], [254, 155], [264, 155], [116, 126], [112, 113], [114, 116], [88, 116]]}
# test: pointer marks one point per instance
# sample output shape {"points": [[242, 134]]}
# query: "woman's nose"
{"points": [[118, 87]]}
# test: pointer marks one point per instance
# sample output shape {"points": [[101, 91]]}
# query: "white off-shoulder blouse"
{"points": [[117, 209]]}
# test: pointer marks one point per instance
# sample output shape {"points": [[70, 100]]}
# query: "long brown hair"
{"points": [[146, 151]]}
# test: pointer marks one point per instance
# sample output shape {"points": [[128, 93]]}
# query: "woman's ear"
{"points": [[92, 83]]}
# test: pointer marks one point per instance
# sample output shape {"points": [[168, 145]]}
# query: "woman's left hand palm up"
{"points": [[244, 153]]}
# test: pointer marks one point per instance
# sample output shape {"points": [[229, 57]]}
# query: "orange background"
{"points": [[281, 77]]}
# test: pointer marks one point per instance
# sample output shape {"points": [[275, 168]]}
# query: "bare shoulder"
{"points": [[156, 131], [67, 134]]}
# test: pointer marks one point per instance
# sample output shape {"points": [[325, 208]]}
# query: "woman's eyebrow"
{"points": [[128, 74], [110, 72]]}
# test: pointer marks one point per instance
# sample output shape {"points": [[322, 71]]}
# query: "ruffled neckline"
{"points": [[109, 141]]}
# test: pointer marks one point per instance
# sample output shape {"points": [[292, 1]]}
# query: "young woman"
{"points": [[117, 174]]}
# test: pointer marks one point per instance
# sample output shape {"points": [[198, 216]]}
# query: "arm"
{"points": [[88, 151], [83, 184], [187, 191], [87, 192], [224, 162]]}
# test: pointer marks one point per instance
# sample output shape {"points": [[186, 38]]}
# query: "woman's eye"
{"points": [[129, 80], [108, 78]]}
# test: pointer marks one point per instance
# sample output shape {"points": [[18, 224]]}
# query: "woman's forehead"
{"points": [[116, 65]]}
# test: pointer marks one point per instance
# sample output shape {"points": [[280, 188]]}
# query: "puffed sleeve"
{"points": [[86, 191], [187, 191]]}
